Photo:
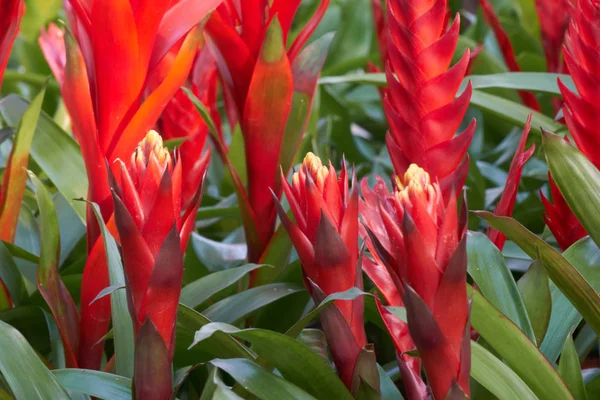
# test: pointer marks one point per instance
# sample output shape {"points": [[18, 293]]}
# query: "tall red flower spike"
{"points": [[580, 50], [420, 105], [11, 13], [506, 205], [154, 226], [554, 18], [507, 50], [113, 50], [325, 236], [421, 240], [268, 87], [383, 271]]}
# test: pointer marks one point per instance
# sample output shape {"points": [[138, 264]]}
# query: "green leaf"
{"points": [[50, 284], [487, 267], [11, 276], [15, 174], [570, 370], [21, 253], [519, 353], [260, 382], [309, 370], [54, 151], [197, 292], [221, 345], [585, 257], [215, 389], [535, 289], [496, 377], [389, 390], [240, 305], [578, 180], [95, 383], [348, 295], [122, 324], [277, 254], [562, 273], [19, 363]]}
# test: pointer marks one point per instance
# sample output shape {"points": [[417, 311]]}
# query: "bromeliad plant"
{"points": [[387, 289]]}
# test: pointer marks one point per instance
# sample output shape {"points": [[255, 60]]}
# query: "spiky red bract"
{"points": [[152, 222], [554, 16], [105, 69], [508, 198], [325, 235], [422, 111], [420, 239], [261, 84]]}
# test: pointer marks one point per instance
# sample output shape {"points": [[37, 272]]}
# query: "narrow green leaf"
{"points": [[122, 324], [277, 254], [585, 256], [578, 180], [389, 390], [496, 377], [19, 363], [21, 253], [570, 370], [535, 289], [563, 274], [260, 382], [95, 383], [11, 276], [50, 283], [197, 292], [585, 341], [54, 151], [15, 174], [215, 389], [221, 345], [487, 267], [239, 306], [309, 370], [519, 353]]}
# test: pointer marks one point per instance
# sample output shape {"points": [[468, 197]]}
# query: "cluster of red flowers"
{"points": [[415, 233]]}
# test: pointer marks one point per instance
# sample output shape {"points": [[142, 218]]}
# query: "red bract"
{"points": [[420, 105], [506, 205], [421, 240], [154, 226], [554, 18], [325, 236], [114, 49], [268, 90], [384, 273], [11, 13], [508, 51]]}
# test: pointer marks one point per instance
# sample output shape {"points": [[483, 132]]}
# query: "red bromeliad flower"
{"points": [[10, 14], [114, 51], [154, 225], [268, 87], [506, 205], [420, 105], [383, 272], [507, 50], [421, 240], [325, 236], [581, 48]]}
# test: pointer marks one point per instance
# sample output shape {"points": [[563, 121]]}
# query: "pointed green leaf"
{"points": [[570, 370], [535, 289], [95, 383]]}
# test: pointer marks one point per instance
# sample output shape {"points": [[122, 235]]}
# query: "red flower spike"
{"points": [[420, 104], [326, 238], [268, 86], [112, 106], [506, 204], [10, 14], [150, 234], [507, 50], [426, 244], [554, 20], [5, 300]]}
